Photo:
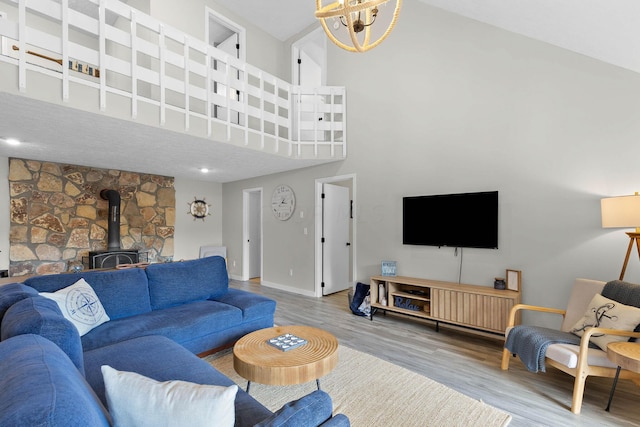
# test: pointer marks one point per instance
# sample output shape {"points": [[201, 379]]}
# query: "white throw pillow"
{"points": [[80, 305], [137, 401], [606, 313]]}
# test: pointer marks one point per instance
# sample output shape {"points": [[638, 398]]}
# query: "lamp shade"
{"points": [[621, 212]]}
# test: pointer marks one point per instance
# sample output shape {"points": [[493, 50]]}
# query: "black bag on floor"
{"points": [[359, 295]]}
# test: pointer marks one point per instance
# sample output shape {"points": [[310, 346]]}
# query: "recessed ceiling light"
{"points": [[12, 141], [204, 170]]}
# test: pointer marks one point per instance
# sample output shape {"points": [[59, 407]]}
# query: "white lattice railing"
{"points": [[118, 50]]}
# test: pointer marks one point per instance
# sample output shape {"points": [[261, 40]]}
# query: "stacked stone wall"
{"points": [[57, 215]]}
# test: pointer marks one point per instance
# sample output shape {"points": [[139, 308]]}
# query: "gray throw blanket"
{"points": [[530, 344]]}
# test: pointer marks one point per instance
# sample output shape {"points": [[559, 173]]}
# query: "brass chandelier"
{"points": [[358, 25]]}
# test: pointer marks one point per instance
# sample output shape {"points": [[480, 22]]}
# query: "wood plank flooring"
{"points": [[467, 363]]}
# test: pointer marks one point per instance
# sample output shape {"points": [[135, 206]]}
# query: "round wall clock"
{"points": [[199, 209], [283, 202]]}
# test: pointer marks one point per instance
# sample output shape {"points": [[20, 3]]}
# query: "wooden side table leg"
{"points": [[613, 388]]}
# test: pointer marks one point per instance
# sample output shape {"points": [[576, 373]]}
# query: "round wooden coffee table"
{"points": [[626, 355], [256, 360]]}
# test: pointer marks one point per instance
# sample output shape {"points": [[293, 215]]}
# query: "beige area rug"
{"points": [[373, 392]]}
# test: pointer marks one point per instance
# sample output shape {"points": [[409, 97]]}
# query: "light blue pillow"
{"points": [[134, 400]]}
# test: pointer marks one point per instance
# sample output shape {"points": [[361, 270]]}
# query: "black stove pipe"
{"points": [[114, 217]]}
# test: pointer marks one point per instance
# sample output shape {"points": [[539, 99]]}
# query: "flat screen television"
{"points": [[465, 220]]}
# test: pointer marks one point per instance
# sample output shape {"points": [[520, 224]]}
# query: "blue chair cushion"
{"points": [[40, 386], [41, 316], [123, 293], [176, 283]]}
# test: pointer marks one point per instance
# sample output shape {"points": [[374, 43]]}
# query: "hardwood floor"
{"points": [[467, 363]]}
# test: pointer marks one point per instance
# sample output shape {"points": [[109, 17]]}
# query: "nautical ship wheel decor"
{"points": [[199, 208]]}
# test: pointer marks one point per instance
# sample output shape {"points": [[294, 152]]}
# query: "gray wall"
{"points": [[448, 105]]}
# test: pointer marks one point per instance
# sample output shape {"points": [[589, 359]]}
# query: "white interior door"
{"points": [[251, 233], [335, 248], [255, 235]]}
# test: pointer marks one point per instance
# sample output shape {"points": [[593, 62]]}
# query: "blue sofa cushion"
{"points": [[176, 283], [310, 410], [41, 316], [217, 339], [163, 360], [253, 306], [40, 386], [180, 323], [12, 293], [123, 293]]}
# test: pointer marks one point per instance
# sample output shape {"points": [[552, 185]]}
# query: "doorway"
{"points": [[229, 37], [335, 263], [309, 59], [252, 234], [309, 70]]}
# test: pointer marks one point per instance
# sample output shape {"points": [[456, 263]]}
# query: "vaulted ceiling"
{"points": [[608, 30], [605, 30]]}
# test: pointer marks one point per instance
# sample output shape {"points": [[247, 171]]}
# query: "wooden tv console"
{"points": [[480, 308]]}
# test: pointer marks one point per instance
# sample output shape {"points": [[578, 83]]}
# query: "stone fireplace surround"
{"points": [[57, 215]]}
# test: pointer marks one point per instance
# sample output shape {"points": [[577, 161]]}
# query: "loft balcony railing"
{"points": [[119, 51]]}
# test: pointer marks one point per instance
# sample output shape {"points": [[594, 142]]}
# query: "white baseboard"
{"points": [[278, 286], [288, 289]]}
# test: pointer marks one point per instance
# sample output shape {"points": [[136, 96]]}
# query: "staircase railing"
{"points": [[119, 51]]}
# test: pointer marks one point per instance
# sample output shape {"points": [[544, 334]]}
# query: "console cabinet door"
{"points": [[469, 309]]}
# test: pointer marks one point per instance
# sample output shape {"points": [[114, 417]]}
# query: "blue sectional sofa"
{"points": [[189, 302], [160, 318]]}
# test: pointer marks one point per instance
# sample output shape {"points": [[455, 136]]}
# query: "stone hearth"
{"points": [[57, 215]]}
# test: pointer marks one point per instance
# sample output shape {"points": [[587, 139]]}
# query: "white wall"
{"points": [[262, 50], [190, 234], [448, 105]]}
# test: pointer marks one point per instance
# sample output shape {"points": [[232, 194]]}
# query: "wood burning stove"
{"points": [[112, 258], [114, 255]]}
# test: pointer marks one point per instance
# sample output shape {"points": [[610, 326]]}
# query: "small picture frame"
{"points": [[514, 280], [389, 268]]}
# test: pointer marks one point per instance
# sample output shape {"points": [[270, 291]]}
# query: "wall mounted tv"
{"points": [[465, 220]]}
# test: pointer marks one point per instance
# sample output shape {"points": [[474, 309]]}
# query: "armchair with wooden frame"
{"points": [[578, 361]]}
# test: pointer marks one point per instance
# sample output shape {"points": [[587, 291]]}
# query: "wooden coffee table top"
{"points": [[257, 361], [625, 354]]}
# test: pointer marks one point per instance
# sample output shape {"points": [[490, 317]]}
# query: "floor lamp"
{"points": [[623, 212]]}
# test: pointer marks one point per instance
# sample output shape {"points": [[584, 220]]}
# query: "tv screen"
{"points": [[465, 220]]}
